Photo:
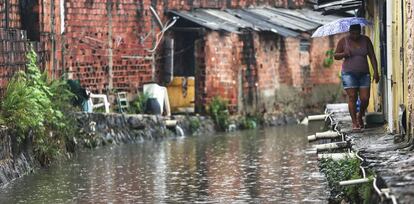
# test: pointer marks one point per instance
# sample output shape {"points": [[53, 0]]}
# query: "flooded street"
{"points": [[259, 166]]}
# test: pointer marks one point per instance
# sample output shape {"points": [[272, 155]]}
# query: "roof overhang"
{"points": [[284, 22]]}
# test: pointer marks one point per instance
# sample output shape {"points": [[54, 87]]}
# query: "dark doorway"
{"points": [[184, 56], [29, 11]]}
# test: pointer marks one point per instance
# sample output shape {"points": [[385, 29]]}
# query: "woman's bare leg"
{"points": [[352, 98], [364, 94]]}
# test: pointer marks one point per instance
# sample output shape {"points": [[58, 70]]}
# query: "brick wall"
{"points": [[319, 73], [103, 35], [268, 63], [222, 66], [13, 47], [50, 47], [87, 47], [10, 14], [264, 72]]}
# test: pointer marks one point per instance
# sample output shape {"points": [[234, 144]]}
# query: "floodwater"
{"points": [[260, 166]]}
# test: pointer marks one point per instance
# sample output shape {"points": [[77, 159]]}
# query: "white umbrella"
{"points": [[339, 26]]}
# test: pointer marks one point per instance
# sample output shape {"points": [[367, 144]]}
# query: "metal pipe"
{"points": [[327, 134], [374, 184], [336, 156], [354, 181], [363, 172], [317, 117], [323, 135], [330, 146]]}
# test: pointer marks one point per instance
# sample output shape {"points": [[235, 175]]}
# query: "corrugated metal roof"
{"points": [[277, 17], [285, 22], [233, 19], [261, 24], [206, 20], [334, 6]]}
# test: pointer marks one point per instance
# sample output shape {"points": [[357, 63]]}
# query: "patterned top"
{"points": [[357, 62]]}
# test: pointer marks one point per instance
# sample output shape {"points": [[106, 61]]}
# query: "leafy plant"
{"points": [[248, 122], [219, 112], [33, 105], [329, 60], [138, 104], [22, 107], [195, 124], [346, 169]]}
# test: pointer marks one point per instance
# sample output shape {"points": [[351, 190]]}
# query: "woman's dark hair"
{"points": [[355, 27]]}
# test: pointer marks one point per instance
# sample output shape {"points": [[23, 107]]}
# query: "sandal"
{"points": [[357, 130]]}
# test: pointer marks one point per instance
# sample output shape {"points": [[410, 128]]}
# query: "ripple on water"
{"points": [[270, 166]]}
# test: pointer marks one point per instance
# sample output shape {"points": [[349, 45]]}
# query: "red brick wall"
{"points": [[222, 65], [87, 45], [13, 47], [13, 42], [50, 46], [95, 29], [268, 63], [11, 9], [319, 73]]}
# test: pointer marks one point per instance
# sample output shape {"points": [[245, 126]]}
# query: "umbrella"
{"points": [[339, 26]]}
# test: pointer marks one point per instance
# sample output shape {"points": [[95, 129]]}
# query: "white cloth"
{"points": [[160, 93]]}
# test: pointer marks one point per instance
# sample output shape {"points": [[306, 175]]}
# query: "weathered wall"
{"points": [[222, 66], [268, 63], [10, 14], [104, 34], [106, 44], [410, 62], [15, 160], [95, 130], [13, 46], [267, 73]]}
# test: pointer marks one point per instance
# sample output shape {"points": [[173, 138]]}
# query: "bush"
{"points": [[139, 103], [32, 105], [248, 122], [346, 169], [219, 112], [195, 124]]}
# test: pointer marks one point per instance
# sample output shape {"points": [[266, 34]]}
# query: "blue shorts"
{"points": [[355, 80]]}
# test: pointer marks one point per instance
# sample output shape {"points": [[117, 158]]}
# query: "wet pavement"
{"points": [[392, 161], [259, 166]]}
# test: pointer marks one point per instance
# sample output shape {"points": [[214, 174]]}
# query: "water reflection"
{"points": [[260, 166]]}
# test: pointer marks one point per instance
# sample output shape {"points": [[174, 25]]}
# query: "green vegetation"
{"points": [[195, 124], [34, 107], [219, 112], [249, 122], [347, 169], [329, 60], [138, 104]]}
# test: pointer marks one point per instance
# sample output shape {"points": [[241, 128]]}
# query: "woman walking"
{"points": [[354, 49]]}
